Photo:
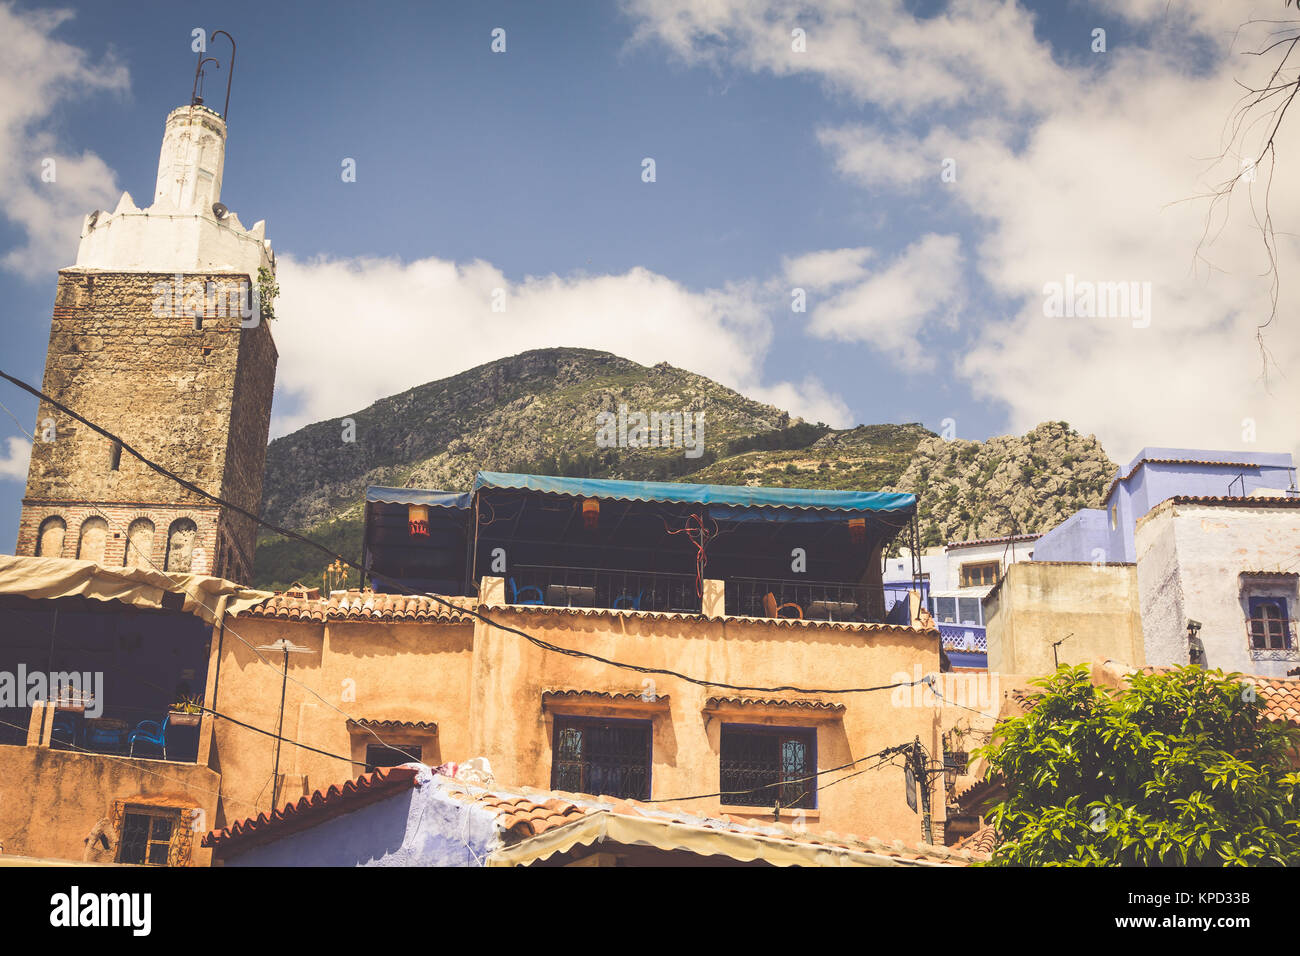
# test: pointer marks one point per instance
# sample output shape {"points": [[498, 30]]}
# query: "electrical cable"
{"points": [[778, 783], [198, 598], [544, 645]]}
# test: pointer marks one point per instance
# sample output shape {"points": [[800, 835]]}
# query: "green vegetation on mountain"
{"points": [[536, 413]]}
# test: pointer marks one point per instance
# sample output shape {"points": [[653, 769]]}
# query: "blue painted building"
{"points": [[1156, 475]]}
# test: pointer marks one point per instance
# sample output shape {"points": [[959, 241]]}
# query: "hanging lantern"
{"points": [[858, 530], [417, 520], [590, 513]]}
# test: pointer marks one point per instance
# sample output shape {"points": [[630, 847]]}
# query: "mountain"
{"points": [[537, 412]]}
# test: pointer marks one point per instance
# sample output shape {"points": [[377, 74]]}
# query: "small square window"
{"points": [[146, 836], [945, 609], [763, 766], [599, 756], [378, 756], [1270, 625], [984, 574]]}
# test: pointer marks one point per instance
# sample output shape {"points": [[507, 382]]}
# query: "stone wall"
{"points": [[165, 364]]}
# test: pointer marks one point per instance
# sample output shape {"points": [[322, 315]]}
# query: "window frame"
{"points": [[566, 721], [172, 816], [415, 750], [967, 567], [1254, 604], [804, 733]]}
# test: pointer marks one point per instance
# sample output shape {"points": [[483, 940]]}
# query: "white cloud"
{"points": [[874, 51], [13, 463], [889, 309], [37, 74], [831, 267], [1079, 168], [352, 331]]}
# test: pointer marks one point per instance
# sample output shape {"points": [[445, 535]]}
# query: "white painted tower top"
{"points": [[192, 159], [186, 229]]}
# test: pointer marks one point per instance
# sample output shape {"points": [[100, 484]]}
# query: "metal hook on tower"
{"points": [[196, 98], [230, 74]]}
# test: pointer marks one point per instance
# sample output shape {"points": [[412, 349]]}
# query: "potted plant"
{"points": [[186, 712], [69, 697]]}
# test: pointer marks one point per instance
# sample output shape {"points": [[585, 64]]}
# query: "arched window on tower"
{"points": [[49, 540], [181, 537], [93, 540], [139, 544]]}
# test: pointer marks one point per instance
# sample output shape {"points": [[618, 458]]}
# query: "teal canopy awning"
{"points": [[724, 496], [418, 496]]}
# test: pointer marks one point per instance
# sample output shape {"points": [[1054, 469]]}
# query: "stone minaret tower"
{"points": [[158, 337]]}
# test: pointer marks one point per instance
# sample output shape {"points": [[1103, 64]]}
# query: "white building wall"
{"points": [[956, 555], [1190, 559], [180, 232]]}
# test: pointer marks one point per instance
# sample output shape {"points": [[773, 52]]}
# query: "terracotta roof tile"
{"points": [[421, 726], [824, 705], [1005, 538], [360, 606], [598, 696], [318, 806], [1250, 501], [521, 813], [1174, 461], [1280, 695], [786, 622], [519, 816], [983, 840]]}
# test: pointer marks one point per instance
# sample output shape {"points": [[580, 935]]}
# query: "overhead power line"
{"points": [[439, 599]]}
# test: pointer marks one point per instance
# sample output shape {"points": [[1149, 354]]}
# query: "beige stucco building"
{"points": [[1045, 613], [370, 673]]}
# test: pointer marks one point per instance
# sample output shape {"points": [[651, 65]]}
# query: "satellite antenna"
{"points": [[219, 210]]}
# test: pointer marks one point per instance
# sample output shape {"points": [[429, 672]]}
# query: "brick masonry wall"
{"points": [[125, 353], [119, 517]]}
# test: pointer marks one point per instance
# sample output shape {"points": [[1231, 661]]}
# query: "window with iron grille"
{"points": [[763, 766], [599, 756], [1269, 624], [377, 755], [146, 836]]}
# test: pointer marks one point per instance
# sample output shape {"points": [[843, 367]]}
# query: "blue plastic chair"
{"points": [[65, 724], [98, 737], [626, 602], [151, 732], [516, 591]]}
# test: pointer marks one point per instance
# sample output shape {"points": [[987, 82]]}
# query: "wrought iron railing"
{"points": [[809, 600], [745, 597], [110, 733], [602, 587]]}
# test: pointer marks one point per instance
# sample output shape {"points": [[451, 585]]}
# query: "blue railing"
{"points": [[602, 587], [970, 638]]}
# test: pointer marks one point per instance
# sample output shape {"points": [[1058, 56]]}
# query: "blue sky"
{"points": [[775, 169]]}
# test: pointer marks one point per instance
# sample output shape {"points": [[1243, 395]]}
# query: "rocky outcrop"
{"points": [[536, 412]]}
